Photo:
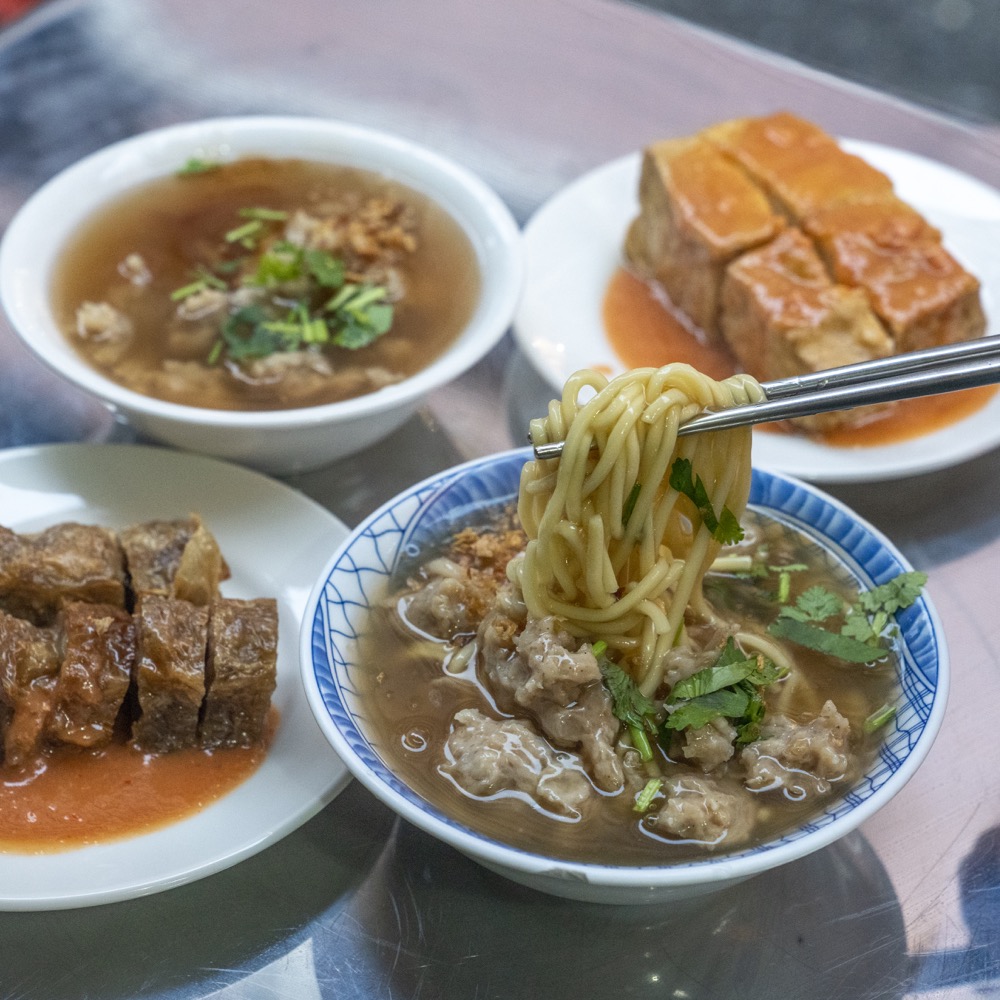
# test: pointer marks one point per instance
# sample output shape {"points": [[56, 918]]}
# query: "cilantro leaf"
{"points": [[814, 605], [898, 593], [247, 335], [730, 688], [731, 703], [857, 626], [628, 703], [725, 527], [824, 641], [327, 270], [731, 667]]}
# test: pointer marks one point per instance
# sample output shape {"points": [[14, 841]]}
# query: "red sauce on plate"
{"points": [[71, 797], [644, 331]]}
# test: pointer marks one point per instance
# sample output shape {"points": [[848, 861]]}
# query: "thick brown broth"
{"points": [[414, 699], [174, 222]]}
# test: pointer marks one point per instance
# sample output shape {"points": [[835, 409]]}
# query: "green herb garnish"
{"points": [[644, 800], [730, 688], [725, 528], [196, 165], [879, 718], [628, 703], [305, 299], [245, 234], [822, 621], [630, 502]]}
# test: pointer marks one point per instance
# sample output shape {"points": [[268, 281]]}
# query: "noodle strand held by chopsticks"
{"points": [[613, 549]]}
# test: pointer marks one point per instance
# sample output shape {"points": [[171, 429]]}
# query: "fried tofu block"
{"points": [[172, 638], [801, 167], [98, 655], [176, 558], [923, 296], [241, 672], [29, 664], [697, 212], [782, 316], [68, 562]]}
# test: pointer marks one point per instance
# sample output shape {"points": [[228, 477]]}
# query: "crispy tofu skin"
{"points": [[767, 235], [240, 672], [799, 166], [919, 291], [68, 562], [698, 212], [782, 315], [170, 672]]}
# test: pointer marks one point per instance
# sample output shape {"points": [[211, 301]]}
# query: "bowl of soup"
{"points": [[273, 290], [480, 718]]}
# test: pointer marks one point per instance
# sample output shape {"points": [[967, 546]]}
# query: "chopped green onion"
{"points": [[644, 799], [216, 352], [195, 165], [641, 742], [188, 290], [630, 503], [264, 214], [241, 233], [879, 718]]}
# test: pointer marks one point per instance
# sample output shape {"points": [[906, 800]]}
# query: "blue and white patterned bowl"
{"points": [[359, 570]]}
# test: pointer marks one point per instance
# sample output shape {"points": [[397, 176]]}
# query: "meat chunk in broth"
{"points": [[488, 756]]}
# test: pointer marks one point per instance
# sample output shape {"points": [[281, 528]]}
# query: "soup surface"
{"points": [[465, 694], [265, 284]]}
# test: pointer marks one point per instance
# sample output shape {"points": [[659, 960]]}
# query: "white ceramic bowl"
{"points": [[357, 574], [284, 440]]}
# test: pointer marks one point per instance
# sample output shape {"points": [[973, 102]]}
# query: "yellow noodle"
{"points": [[628, 582]]}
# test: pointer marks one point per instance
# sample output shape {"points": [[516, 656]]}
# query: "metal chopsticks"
{"points": [[904, 376]]}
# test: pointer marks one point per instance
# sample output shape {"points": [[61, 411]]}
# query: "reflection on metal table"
{"points": [[529, 94]]}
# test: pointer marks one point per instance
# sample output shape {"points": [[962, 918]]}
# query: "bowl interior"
{"points": [[398, 532], [33, 242]]}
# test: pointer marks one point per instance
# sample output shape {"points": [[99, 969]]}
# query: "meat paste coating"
{"points": [[29, 663], [801, 759], [241, 672], [178, 558], [488, 756], [544, 673], [99, 652], [67, 562], [170, 672]]}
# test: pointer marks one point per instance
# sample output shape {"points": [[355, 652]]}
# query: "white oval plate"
{"points": [[276, 542], [573, 246]]}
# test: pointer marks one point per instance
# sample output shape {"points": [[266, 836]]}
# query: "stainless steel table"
{"points": [[530, 94]]}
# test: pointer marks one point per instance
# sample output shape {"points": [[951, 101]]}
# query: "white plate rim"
{"points": [[572, 246], [115, 484]]}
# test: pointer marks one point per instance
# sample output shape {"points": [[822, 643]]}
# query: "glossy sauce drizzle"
{"points": [[73, 797], [644, 332]]}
